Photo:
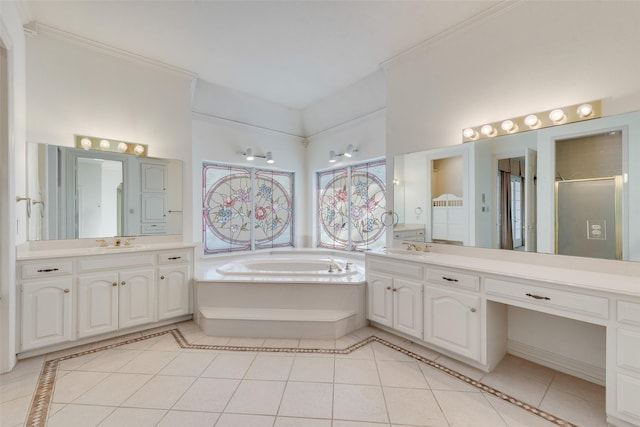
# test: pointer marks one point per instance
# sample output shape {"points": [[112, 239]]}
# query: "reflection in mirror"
{"points": [[93, 194], [448, 207]]}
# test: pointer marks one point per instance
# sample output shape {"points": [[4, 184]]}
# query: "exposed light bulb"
{"points": [[585, 110], [509, 126], [349, 151], [532, 120], [249, 154], [557, 115], [122, 147], [85, 143], [469, 133], [487, 130], [138, 149], [270, 158], [104, 144], [332, 156]]}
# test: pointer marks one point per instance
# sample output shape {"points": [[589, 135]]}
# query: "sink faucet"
{"points": [[414, 246], [333, 265], [103, 243]]}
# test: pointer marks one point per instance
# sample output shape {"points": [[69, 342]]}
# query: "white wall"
{"points": [[12, 182], [77, 89], [531, 56]]}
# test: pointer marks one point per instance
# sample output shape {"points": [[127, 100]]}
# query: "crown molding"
{"points": [[489, 12], [35, 28]]}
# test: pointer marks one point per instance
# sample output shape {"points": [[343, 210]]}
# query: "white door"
{"points": [[517, 211], [530, 208], [154, 207], [137, 299], [380, 299], [46, 312], [173, 291], [452, 321], [97, 304], [154, 177], [407, 307]]}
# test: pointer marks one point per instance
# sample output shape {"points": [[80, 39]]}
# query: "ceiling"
{"points": [[292, 53]]}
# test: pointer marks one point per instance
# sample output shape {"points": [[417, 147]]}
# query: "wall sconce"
{"points": [[101, 144], [248, 155], [333, 156], [554, 117]]}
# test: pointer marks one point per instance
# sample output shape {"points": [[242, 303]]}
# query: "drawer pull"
{"points": [[449, 279], [175, 257], [539, 297], [48, 270]]}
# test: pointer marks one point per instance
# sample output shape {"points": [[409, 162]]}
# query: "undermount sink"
{"points": [[403, 252], [118, 248]]}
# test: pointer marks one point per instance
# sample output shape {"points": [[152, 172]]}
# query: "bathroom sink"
{"points": [[403, 252], [121, 248]]}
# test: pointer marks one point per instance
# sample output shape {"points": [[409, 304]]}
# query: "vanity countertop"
{"points": [[587, 280], [26, 253]]}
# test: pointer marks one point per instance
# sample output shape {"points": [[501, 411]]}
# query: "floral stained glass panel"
{"points": [[273, 209], [333, 209], [368, 203]]}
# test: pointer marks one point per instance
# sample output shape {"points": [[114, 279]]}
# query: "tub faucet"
{"points": [[333, 265]]}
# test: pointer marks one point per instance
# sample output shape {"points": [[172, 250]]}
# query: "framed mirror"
{"points": [[78, 193]]}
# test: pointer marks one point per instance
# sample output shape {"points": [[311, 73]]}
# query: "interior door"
{"points": [[530, 200]]}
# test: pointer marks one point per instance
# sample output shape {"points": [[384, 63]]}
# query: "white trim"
{"points": [[349, 122], [105, 48], [586, 371], [211, 118]]}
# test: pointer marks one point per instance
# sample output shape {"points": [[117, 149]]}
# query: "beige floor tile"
{"points": [[312, 369], [165, 343], [149, 362], [382, 352], [114, 390], [365, 352], [80, 415], [401, 374], [14, 388], [514, 416], [268, 367], [576, 400], [207, 395], [439, 380], [227, 365], [256, 397], [521, 379], [240, 420], [366, 332], [359, 403], [14, 412], [246, 342], [281, 342], [133, 417], [69, 351], [77, 362], [301, 422], [110, 360], [467, 409], [160, 392], [306, 399], [75, 383], [460, 367], [208, 340], [188, 419], [415, 407], [341, 423], [188, 364], [354, 371], [304, 343], [29, 366], [54, 408], [421, 350]]}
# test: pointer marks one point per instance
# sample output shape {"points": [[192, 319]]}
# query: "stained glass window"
{"points": [[351, 201], [245, 208]]}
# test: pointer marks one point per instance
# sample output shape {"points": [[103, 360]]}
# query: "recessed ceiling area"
{"points": [[292, 53]]}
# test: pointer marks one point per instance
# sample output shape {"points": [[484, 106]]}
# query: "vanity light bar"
{"points": [[543, 119], [102, 144]]}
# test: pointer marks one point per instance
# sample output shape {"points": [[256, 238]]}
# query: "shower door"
{"points": [[588, 217]]}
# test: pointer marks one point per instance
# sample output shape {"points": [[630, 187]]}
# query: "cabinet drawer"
{"points": [[628, 349], [396, 267], [453, 278], [628, 395], [46, 268], [174, 257], [115, 261], [629, 313], [154, 228], [553, 298]]}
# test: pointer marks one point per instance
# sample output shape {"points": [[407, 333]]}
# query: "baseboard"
{"points": [[576, 368]]}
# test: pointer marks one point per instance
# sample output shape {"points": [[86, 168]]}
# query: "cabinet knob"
{"points": [[66, 291], [395, 290], [123, 283], [114, 284], [162, 277], [388, 288], [473, 310]]}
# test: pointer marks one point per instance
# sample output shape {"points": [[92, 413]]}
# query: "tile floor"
{"points": [[388, 382]]}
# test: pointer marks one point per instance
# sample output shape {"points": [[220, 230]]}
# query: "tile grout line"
{"points": [[43, 395]]}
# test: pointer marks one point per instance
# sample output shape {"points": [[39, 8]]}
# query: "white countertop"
{"points": [[25, 253], [603, 282]]}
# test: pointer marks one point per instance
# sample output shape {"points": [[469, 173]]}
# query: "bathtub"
{"points": [[281, 294]]}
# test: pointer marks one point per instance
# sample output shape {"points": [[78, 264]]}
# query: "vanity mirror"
{"points": [[78, 193], [533, 191]]}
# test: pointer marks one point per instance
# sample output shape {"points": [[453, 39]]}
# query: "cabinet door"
{"points": [[380, 298], [173, 291], [46, 312], [153, 207], [407, 307], [137, 298], [153, 177], [452, 321], [97, 304]]}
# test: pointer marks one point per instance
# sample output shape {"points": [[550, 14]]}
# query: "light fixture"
{"points": [[539, 120], [333, 156], [248, 155], [103, 144]]}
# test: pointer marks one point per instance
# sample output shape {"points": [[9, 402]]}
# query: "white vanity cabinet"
{"points": [[77, 298], [627, 361], [452, 310], [394, 295]]}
